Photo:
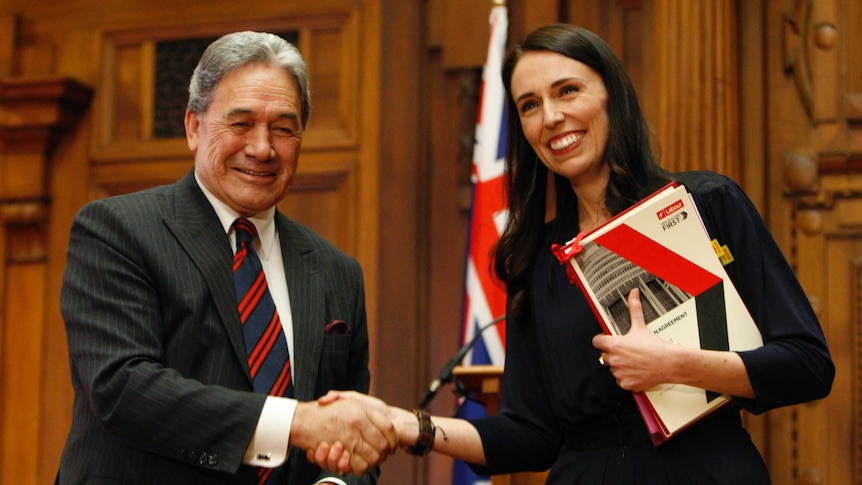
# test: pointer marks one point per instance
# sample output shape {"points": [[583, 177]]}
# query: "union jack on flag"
{"points": [[484, 300]]}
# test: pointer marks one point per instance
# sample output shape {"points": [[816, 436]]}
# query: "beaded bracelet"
{"points": [[427, 431]]}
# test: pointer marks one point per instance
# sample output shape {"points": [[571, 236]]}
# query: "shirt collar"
{"points": [[263, 221]]}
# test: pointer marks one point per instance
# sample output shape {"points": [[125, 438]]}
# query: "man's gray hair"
{"points": [[237, 49]]}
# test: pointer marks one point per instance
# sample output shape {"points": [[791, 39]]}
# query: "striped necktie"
{"points": [[265, 344]]}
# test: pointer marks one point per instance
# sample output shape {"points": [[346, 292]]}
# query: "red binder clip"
{"points": [[566, 252]]}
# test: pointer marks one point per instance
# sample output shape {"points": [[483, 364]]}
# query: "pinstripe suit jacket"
{"points": [[162, 388]]}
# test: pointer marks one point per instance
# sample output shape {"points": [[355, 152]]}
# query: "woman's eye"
{"points": [[527, 106], [569, 89]]}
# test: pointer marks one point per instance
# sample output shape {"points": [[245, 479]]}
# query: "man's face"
{"points": [[246, 144]]}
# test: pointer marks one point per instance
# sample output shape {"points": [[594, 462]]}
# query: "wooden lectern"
{"points": [[483, 384]]}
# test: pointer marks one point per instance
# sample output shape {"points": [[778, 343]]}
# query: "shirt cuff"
{"points": [[269, 444], [328, 480]]}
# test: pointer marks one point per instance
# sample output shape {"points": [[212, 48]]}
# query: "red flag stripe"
{"points": [[484, 299]]}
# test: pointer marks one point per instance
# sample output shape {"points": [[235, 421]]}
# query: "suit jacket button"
{"points": [[213, 460]]}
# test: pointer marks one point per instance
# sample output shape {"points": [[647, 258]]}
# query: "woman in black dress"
{"points": [[575, 121]]}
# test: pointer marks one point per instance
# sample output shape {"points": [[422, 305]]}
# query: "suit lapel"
{"points": [[197, 228], [307, 303]]}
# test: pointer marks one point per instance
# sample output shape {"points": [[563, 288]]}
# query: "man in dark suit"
{"points": [[163, 388]]}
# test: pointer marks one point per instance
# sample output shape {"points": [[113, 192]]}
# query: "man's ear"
{"points": [[192, 123]]}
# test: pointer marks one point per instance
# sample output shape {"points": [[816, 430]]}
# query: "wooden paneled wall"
{"points": [[767, 92]]}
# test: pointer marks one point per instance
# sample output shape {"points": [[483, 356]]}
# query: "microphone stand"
{"points": [[446, 375]]}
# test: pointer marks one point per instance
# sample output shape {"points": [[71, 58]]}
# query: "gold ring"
{"points": [[602, 359]]}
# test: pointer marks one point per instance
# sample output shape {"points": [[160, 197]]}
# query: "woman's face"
{"points": [[562, 105]]}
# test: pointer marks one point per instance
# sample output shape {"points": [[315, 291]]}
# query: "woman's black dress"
{"points": [[561, 409]]}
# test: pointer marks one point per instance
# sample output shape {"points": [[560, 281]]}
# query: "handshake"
{"points": [[350, 432]]}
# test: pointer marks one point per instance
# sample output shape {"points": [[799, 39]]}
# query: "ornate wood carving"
{"points": [[33, 113], [811, 58], [796, 52], [25, 242], [841, 164], [821, 156], [828, 225], [803, 175], [800, 173]]}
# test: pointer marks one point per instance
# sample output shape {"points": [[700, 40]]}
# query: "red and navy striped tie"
{"points": [[265, 344]]}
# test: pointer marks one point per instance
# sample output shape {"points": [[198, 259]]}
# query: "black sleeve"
{"points": [[524, 435], [794, 364]]}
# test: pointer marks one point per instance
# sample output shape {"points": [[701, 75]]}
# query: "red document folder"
{"points": [[661, 247]]}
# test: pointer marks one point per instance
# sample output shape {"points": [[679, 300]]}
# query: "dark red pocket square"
{"points": [[336, 327]]}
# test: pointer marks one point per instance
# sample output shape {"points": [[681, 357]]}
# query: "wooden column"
{"points": [[34, 113], [696, 83]]}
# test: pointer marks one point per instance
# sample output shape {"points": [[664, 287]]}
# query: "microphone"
{"points": [[445, 375]]}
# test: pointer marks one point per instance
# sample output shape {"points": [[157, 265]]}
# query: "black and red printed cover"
{"points": [[661, 247]]}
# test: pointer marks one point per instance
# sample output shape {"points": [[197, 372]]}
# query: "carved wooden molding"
{"points": [[806, 40], [24, 222], [796, 52], [803, 173], [45, 102], [826, 200], [840, 163], [33, 113]]}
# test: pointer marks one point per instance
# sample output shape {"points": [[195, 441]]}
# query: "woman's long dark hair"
{"points": [[634, 170]]}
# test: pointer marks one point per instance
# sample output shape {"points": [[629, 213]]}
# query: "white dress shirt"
{"points": [[270, 443]]}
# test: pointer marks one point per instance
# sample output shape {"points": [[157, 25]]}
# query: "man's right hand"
{"points": [[361, 426]]}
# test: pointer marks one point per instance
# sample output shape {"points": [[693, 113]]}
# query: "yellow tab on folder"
{"points": [[722, 252]]}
